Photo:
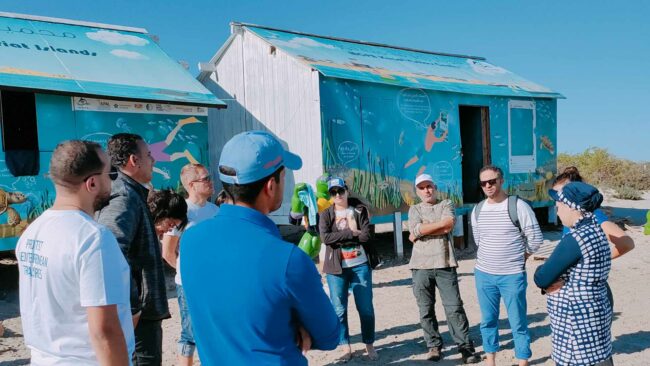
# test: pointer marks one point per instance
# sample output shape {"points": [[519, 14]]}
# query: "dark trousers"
{"points": [[425, 282], [148, 343]]}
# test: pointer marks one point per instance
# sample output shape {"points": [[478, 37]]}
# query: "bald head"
{"points": [[191, 172]]}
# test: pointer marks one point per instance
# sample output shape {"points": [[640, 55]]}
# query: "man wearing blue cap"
{"points": [[253, 298]]}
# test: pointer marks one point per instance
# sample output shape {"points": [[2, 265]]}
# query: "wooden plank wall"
{"points": [[269, 90]]}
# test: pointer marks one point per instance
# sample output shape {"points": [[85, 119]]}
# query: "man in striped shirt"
{"points": [[500, 271]]}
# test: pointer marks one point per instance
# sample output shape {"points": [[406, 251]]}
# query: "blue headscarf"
{"points": [[579, 196]]}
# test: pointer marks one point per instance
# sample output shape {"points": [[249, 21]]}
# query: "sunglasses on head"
{"points": [[335, 191], [489, 181]]}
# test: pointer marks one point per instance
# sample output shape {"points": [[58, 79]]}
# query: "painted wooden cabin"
{"points": [[62, 80], [379, 115]]}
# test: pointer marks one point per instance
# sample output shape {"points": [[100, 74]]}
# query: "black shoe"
{"points": [[469, 356], [434, 354]]}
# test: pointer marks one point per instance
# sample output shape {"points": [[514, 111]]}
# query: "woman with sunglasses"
{"points": [[349, 259]]}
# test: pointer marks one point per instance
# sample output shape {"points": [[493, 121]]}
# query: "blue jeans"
{"points": [[512, 288], [359, 279], [186, 345]]}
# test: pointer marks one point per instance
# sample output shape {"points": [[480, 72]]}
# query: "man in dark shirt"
{"points": [[128, 217]]}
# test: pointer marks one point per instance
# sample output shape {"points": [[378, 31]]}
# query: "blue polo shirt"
{"points": [[247, 290]]}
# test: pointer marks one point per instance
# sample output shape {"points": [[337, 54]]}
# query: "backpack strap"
{"points": [[477, 210], [512, 212]]}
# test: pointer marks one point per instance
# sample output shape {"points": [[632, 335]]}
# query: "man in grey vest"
{"points": [[433, 264]]}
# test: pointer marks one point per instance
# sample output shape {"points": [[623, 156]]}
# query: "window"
{"points": [[18, 115], [521, 136]]}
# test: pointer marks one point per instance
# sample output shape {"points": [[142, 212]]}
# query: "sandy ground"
{"points": [[399, 337]]}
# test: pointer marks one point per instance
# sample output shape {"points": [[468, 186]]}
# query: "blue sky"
{"points": [[594, 52]]}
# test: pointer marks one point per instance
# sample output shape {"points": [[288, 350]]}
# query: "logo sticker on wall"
{"points": [[107, 105]]}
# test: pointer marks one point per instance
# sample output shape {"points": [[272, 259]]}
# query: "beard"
{"points": [[101, 200]]}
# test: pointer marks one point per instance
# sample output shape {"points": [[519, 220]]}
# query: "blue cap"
{"points": [[579, 196], [335, 182], [254, 155]]}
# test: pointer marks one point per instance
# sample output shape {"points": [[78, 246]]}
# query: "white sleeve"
{"points": [[173, 232], [529, 226], [102, 274], [474, 226]]}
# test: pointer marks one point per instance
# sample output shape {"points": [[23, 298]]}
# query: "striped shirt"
{"points": [[501, 246]]}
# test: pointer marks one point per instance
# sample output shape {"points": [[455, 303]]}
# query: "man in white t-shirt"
{"points": [[197, 182], [74, 280]]}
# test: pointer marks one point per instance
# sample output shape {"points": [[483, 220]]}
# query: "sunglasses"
{"points": [[489, 181], [337, 191], [112, 175]]}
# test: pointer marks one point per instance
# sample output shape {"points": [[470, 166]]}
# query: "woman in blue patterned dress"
{"points": [[574, 279]]}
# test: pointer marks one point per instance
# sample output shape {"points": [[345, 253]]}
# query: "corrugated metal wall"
{"points": [[269, 90]]}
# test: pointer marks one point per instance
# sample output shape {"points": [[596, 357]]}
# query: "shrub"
{"points": [[600, 168], [627, 193]]}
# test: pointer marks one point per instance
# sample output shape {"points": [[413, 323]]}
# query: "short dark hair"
{"points": [[570, 173], [248, 192], [222, 197], [493, 168], [167, 204], [73, 161], [121, 146]]}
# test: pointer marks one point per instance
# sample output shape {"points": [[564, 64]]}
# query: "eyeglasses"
{"points": [[112, 175], [337, 191], [205, 179], [489, 181]]}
